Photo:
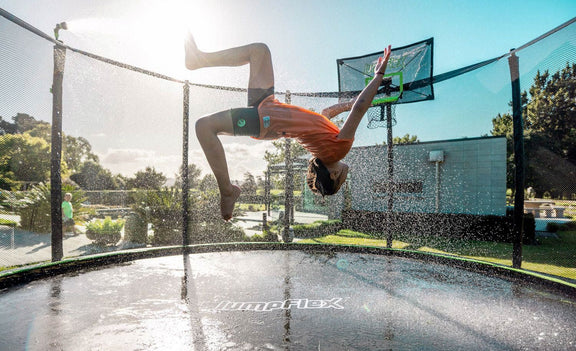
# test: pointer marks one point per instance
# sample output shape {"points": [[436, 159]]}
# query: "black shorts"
{"points": [[245, 120], [256, 96]]}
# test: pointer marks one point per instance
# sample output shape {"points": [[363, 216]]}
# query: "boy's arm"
{"points": [[335, 110], [364, 100]]}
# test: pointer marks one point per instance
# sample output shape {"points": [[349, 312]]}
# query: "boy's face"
{"points": [[338, 175], [67, 197]]}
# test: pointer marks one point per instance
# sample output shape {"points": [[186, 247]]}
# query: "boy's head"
{"points": [[324, 180], [67, 196]]}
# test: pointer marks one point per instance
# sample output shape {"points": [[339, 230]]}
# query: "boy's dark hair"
{"points": [[318, 178]]}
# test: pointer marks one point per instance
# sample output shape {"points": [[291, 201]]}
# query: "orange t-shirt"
{"points": [[315, 132]]}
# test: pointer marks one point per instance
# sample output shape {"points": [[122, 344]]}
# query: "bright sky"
{"points": [[305, 37]]}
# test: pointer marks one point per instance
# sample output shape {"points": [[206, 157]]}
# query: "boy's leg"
{"points": [[256, 54], [207, 130]]}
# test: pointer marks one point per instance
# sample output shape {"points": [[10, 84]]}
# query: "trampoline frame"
{"points": [[24, 275]]}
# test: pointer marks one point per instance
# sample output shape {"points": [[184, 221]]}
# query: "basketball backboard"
{"points": [[408, 74]]}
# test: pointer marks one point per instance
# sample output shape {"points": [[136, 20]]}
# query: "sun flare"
{"points": [[155, 32]]}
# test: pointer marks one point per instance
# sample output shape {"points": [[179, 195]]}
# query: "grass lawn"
{"points": [[552, 256], [251, 207]]}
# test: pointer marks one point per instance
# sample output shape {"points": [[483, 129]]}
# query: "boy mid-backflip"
{"points": [[267, 118]]}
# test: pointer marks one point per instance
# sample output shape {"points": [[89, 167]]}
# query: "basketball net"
{"points": [[378, 115]]}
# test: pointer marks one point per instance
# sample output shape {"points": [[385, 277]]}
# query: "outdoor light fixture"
{"points": [[59, 26]]}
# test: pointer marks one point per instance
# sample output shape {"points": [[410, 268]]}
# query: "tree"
{"points": [[208, 183], [76, 151], [248, 185], [549, 133], [120, 181], [194, 173], [551, 112], [7, 177], [406, 139], [260, 182], [24, 159], [25, 122], [147, 179], [502, 125], [92, 176], [25, 156], [22, 123], [43, 131], [7, 127], [277, 156]]}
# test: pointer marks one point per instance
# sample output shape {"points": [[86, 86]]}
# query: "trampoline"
{"points": [[282, 297]]}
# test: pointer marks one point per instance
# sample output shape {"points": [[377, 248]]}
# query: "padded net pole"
{"points": [[390, 155], [185, 180], [288, 197], [56, 154], [518, 132], [267, 190]]}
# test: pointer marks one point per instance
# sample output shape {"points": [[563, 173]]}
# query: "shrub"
{"points": [[136, 229], [206, 224], [459, 226], [162, 208], [267, 236], [552, 227], [105, 231], [568, 226], [34, 207]]}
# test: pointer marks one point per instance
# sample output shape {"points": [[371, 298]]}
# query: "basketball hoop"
{"points": [[378, 116], [382, 114]]}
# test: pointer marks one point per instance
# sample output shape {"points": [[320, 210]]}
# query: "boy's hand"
{"points": [[383, 61]]}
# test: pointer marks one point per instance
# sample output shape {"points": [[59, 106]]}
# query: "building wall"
{"points": [[471, 178]]}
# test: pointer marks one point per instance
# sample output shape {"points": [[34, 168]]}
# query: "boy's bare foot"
{"points": [[227, 202], [192, 58]]}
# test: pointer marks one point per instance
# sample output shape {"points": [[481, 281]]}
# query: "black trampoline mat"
{"points": [[283, 300]]}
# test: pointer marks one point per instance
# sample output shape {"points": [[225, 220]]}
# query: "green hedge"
{"points": [[461, 226], [317, 229]]}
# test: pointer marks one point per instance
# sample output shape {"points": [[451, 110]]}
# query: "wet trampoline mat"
{"points": [[260, 300]]}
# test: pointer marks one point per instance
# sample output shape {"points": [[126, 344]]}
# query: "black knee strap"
{"points": [[246, 121]]}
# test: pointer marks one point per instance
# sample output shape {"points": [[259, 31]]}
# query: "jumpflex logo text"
{"points": [[280, 305]]}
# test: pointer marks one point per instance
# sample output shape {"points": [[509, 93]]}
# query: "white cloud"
{"points": [[244, 158], [241, 158], [129, 161]]}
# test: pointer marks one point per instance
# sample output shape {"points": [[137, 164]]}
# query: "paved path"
{"points": [[251, 222], [20, 247]]}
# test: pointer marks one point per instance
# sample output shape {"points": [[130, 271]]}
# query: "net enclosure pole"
{"points": [[57, 246], [267, 190], [185, 180], [390, 156], [288, 196], [518, 132]]}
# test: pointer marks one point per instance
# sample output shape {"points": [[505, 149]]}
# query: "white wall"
{"points": [[472, 177]]}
